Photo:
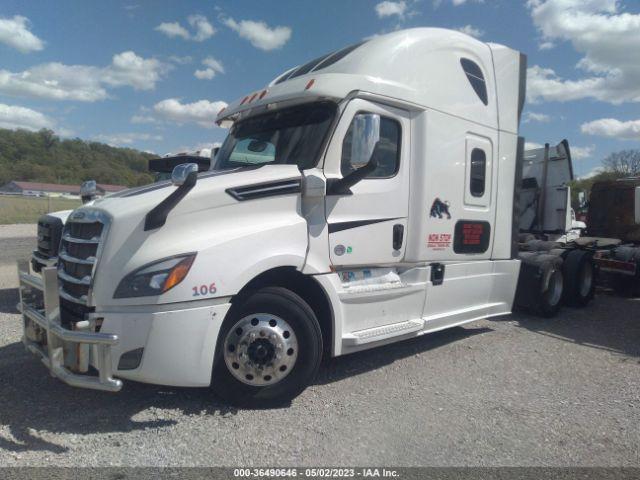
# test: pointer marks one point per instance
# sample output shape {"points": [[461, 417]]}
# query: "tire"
{"points": [[269, 349], [551, 288], [580, 278]]}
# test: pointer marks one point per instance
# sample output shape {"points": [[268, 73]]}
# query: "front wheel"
{"points": [[269, 349]]}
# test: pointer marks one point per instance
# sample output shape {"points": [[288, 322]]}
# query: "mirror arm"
{"points": [[157, 217], [342, 186]]}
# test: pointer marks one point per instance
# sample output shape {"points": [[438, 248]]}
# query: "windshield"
{"points": [[292, 136]]}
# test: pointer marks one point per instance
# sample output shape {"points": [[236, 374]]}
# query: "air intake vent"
{"points": [[251, 192]]}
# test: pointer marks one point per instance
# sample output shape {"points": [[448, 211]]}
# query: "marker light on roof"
{"points": [[264, 92], [310, 84], [244, 100]]}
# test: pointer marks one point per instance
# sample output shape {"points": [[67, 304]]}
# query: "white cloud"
{"points": [[201, 112], [14, 117], [456, 3], [119, 139], [202, 149], [259, 34], [15, 33], [532, 145], [140, 118], [612, 128], [56, 81], [201, 29], [608, 39], [592, 173], [129, 69], [213, 67], [388, 9], [580, 153], [536, 117], [173, 29], [180, 60], [471, 31]]}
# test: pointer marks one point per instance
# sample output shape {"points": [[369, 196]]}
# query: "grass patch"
{"points": [[18, 209]]}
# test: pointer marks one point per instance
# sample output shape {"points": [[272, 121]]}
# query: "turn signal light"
{"points": [[177, 273]]}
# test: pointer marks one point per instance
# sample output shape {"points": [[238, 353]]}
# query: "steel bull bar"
{"points": [[60, 348]]}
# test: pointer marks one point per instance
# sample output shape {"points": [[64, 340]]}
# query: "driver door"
{"points": [[368, 226]]}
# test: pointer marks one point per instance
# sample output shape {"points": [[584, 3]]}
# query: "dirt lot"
{"points": [[514, 391]]}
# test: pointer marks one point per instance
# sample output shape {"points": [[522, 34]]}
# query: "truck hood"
{"points": [[213, 190], [220, 209]]}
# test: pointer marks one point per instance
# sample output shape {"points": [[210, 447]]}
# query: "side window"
{"points": [[475, 77], [365, 131], [478, 172]]}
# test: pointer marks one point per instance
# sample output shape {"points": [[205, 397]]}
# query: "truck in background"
{"points": [[359, 199], [613, 227], [548, 232]]}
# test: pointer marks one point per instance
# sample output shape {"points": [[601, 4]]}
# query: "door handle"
{"points": [[398, 236]]}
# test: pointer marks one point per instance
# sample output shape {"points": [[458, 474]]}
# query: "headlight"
{"points": [[155, 278]]}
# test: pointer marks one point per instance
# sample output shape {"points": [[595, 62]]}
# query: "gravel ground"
{"points": [[519, 391]]}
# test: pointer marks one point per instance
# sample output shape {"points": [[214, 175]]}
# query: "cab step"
{"points": [[382, 333]]}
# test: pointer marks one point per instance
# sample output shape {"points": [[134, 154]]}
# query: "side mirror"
{"points": [[181, 172], [637, 205], [342, 186], [88, 191]]}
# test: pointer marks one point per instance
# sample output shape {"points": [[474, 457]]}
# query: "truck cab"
{"points": [[361, 198]]}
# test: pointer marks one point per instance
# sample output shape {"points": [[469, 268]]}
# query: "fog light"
{"points": [[130, 360]]}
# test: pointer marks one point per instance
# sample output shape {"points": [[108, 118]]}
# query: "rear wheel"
{"points": [[269, 349], [551, 289], [579, 276]]}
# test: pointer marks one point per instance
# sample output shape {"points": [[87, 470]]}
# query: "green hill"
{"points": [[44, 157]]}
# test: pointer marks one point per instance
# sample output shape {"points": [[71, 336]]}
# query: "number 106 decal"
{"points": [[204, 290]]}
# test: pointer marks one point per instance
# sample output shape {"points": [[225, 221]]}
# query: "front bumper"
{"points": [[40, 261], [177, 340], [44, 335]]}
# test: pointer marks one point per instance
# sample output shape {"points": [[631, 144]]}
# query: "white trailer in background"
{"points": [[362, 198]]}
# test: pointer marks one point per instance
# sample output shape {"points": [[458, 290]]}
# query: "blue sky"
{"points": [[153, 74]]}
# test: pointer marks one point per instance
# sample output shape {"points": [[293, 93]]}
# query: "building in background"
{"points": [[38, 189]]}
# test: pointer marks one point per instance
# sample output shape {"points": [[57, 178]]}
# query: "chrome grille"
{"points": [[49, 230], [81, 242]]}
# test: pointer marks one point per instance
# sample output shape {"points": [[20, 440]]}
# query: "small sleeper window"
{"points": [[478, 172], [475, 77]]}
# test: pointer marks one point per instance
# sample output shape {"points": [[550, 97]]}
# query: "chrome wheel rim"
{"points": [[260, 349], [554, 290], [586, 280]]}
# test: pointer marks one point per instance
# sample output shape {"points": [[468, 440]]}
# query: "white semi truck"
{"points": [[365, 197]]}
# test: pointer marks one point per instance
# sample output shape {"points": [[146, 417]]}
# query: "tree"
{"points": [[43, 157], [625, 163]]}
